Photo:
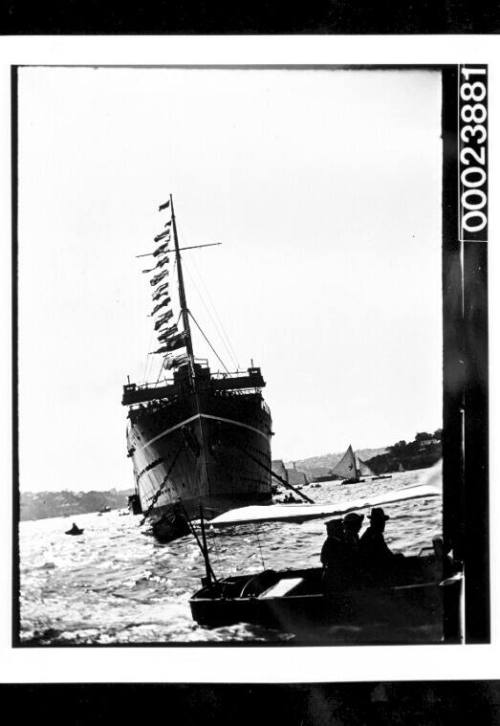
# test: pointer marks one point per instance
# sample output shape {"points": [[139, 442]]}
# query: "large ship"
{"points": [[199, 441]]}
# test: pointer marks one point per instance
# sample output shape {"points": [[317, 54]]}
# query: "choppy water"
{"points": [[116, 585]]}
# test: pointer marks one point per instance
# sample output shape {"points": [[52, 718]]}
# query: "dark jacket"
{"points": [[373, 549], [339, 558], [332, 552]]}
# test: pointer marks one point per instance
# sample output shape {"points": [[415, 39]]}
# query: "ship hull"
{"points": [[210, 451]]}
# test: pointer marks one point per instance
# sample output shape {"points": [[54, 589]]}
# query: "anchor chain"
{"points": [[160, 489]]}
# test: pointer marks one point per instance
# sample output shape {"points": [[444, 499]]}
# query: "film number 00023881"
{"points": [[473, 164]]}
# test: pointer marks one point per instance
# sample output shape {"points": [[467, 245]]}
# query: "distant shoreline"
{"points": [[424, 451], [45, 505], [420, 453]]}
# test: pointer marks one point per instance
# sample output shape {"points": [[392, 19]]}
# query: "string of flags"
{"points": [[164, 319], [157, 278], [167, 333], [160, 305], [158, 265], [159, 250], [162, 263], [177, 341], [169, 337], [176, 361], [160, 291]]}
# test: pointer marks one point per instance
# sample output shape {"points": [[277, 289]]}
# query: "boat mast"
{"points": [[208, 567], [182, 293]]}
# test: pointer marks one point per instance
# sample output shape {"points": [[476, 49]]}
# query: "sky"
{"points": [[324, 188]]}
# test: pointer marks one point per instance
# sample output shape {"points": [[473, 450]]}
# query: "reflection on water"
{"points": [[114, 584]]}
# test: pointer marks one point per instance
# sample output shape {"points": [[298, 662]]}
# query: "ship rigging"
{"points": [[201, 438]]}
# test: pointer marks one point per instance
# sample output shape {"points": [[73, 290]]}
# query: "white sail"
{"points": [[303, 512], [363, 468], [346, 467]]}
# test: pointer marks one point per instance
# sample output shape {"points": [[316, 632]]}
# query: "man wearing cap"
{"points": [[333, 555], [373, 548]]}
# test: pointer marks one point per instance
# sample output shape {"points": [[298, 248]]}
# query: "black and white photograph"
{"points": [[244, 299]]}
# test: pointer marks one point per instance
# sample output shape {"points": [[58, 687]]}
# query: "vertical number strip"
{"points": [[473, 153]]}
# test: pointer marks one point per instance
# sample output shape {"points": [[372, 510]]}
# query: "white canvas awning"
{"points": [[303, 512]]}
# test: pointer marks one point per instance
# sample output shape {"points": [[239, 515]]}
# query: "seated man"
{"points": [[333, 555], [339, 555], [352, 524], [374, 552]]}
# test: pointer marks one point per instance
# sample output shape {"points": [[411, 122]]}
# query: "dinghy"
{"points": [[421, 594]]}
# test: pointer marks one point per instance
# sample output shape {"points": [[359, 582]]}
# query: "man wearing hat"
{"points": [[333, 555], [373, 548], [340, 552], [352, 525]]}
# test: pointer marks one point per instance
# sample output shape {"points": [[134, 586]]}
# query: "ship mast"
{"points": [[182, 293], [189, 348]]}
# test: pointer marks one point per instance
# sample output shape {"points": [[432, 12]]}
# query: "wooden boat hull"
{"points": [[265, 599]]}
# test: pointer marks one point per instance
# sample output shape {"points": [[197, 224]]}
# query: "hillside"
{"points": [[420, 453], [40, 505], [424, 451], [320, 465]]}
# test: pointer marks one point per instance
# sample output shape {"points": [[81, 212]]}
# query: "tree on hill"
{"points": [[400, 445], [423, 436]]}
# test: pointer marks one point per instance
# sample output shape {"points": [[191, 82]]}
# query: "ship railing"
{"points": [[222, 375], [157, 384], [237, 392], [216, 375], [203, 362]]}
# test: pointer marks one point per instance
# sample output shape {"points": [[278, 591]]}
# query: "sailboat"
{"points": [[351, 468], [198, 438], [420, 598]]}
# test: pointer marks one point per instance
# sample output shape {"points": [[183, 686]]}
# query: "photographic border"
{"points": [[465, 374]]}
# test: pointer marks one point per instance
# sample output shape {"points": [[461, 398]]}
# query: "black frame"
{"points": [[298, 704]]}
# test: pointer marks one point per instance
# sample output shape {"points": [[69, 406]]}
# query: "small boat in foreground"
{"points": [[75, 530], [295, 601], [418, 599]]}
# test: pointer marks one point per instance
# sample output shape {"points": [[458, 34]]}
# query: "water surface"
{"points": [[115, 584]]}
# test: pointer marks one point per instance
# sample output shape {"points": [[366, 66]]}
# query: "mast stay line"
{"points": [[270, 471]]}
